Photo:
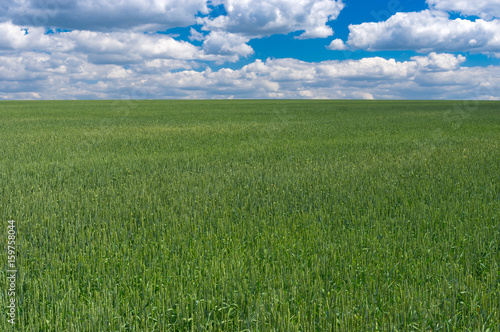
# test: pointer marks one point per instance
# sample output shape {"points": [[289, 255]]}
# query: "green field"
{"points": [[252, 215]]}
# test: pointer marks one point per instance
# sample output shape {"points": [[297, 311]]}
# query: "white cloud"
{"points": [[369, 69], [112, 57], [147, 15], [112, 32], [426, 31], [228, 45], [14, 37], [196, 35], [130, 47], [260, 18], [109, 47], [439, 62], [281, 70], [337, 45], [253, 19], [486, 9], [59, 76], [364, 95]]}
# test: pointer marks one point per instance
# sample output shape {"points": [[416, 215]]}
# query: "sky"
{"points": [[225, 49]]}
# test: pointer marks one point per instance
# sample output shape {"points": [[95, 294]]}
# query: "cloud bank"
{"points": [[88, 49], [94, 15], [27, 75]]}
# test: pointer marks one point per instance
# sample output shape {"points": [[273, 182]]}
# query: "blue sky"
{"points": [[196, 49]]}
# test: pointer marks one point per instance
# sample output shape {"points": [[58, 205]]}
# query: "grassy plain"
{"points": [[252, 215]]}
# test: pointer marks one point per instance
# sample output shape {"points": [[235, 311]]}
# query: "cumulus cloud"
{"points": [[245, 20], [229, 45], [14, 37], [259, 18], [195, 35], [439, 62], [106, 47], [142, 15], [374, 68], [486, 9], [105, 56], [35, 75], [130, 47], [426, 31], [250, 18], [364, 95], [112, 32], [337, 45]]}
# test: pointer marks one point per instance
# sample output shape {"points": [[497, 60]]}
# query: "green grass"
{"points": [[252, 215]]}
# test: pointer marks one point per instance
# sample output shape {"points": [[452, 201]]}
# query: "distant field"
{"points": [[252, 215]]}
